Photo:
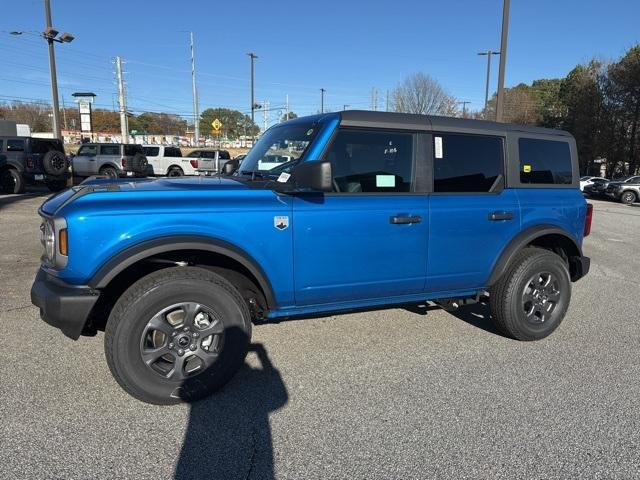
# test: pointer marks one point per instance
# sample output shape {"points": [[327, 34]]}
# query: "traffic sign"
{"points": [[216, 124]]}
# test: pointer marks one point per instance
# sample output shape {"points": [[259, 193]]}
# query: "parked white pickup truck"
{"points": [[168, 160], [209, 161]]}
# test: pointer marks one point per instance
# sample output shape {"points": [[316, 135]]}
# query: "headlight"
{"points": [[48, 240], [54, 252]]}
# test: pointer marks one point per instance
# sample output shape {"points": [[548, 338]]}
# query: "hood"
{"points": [[54, 203]]}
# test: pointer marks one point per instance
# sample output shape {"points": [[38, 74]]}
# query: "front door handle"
{"points": [[400, 220], [501, 216]]}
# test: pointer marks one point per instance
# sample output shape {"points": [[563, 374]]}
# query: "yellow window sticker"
{"points": [[527, 168]]}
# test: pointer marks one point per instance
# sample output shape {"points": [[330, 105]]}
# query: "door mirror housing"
{"points": [[230, 167], [314, 175]]}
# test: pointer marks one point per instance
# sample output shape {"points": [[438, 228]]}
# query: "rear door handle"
{"points": [[400, 220], [501, 216]]}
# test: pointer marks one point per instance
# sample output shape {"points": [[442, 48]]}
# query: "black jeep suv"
{"points": [[32, 160]]}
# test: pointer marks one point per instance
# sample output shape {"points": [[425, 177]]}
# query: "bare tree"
{"points": [[420, 93]]}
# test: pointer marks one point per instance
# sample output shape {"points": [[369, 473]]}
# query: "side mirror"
{"points": [[230, 167], [315, 175]]}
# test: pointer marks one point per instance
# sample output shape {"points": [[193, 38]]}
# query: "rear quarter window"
{"points": [[39, 145], [151, 151], [544, 162]]}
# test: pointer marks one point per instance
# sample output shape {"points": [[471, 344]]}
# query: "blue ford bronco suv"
{"points": [[331, 212]]}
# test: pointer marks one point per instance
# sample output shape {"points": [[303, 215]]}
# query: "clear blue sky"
{"points": [[345, 46]]}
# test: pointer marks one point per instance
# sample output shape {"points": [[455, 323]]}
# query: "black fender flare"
{"points": [[520, 241], [135, 253], [12, 163]]}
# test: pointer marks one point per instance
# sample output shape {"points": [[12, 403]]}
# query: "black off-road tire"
{"points": [[157, 291], [628, 197], [506, 297], [138, 164], [175, 172], [56, 185], [55, 162], [110, 172], [11, 181]]}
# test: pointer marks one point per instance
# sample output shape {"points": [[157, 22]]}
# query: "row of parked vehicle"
{"points": [[625, 190], [27, 161]]}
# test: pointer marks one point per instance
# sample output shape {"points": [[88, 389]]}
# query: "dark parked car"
{"points": [[31, 160], [625, 191]]}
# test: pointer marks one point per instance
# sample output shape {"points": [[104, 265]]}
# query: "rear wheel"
{"points": [[628, 197], [11, 181], [109, 172], [532, 297], [178, 334], [175, 172]]}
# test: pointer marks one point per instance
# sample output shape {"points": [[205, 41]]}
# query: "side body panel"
{"points": [[346, 248], [230, 215], [464, 243]]}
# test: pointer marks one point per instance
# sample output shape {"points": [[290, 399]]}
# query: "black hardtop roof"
{"points": [[434, 122]]}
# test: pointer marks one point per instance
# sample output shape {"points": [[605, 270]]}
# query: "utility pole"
{"points": [[503, 60], [252, 57], [122, 102], [322, 90], [64, 113], [387, 104], [488, 53], [374, 99], [286, 107], [345, 106], [265, 111], [464, 108], [52, 70], [196, 113]]}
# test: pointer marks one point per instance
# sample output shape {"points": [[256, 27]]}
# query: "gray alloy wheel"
{"points": [[182, 340], [628, 198], [109, 172], [540, 297]]}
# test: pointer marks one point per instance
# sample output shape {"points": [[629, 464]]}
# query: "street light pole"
{"points": [[488, 53], [503, 60], [52, 70], [196, 113], [322, 90], [252, 57]]}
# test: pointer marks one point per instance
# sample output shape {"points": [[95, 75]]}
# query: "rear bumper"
{"points": [[63, 306], [34, 177], [580, 267]]}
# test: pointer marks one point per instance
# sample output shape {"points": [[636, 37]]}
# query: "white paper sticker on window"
{"points": [[388, 181], [438, 147], [284, 177]]}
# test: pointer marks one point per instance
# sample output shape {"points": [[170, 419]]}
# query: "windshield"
{"points": [[279, 146]]}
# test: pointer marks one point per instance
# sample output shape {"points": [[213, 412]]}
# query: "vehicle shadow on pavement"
{"points": [[228, 435], [477, 314]]}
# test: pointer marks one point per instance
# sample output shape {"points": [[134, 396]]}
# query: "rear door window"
{"points": [[466, 163], [172, 152], [15, 145], [544, 161], [40, 145], [224, 155], [110, 149]]}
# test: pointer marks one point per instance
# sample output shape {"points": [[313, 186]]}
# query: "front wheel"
{"points": [[177, 335], [531, 298], [628, 197]]}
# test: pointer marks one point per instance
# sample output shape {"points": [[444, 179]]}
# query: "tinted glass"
{"points": [[466, 163], [372, 161], [131, 150], [224, 155], [544, 161], [208, 154], [152, 151], [172, 152], [1, 144], [88, 151], [110, 149], [15, 145], [39, 145]]}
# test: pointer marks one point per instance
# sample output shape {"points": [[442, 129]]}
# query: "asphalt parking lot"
{"points": [[403, 393]]}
